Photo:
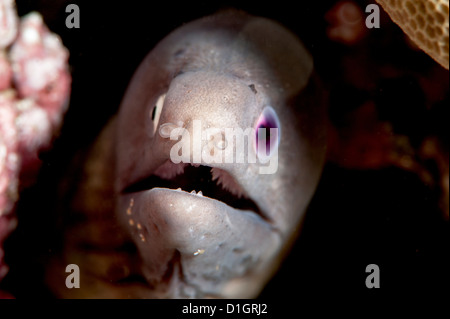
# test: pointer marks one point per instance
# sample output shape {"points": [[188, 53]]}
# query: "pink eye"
{"points": [[267, 135]]}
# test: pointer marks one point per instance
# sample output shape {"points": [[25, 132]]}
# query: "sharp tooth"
{"points": [[193, 192], [200, 193]]}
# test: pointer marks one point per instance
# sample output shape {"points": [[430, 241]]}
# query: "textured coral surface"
{"points": [[425, 22], [34, 90]]}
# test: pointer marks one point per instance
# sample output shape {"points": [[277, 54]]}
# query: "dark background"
{"points": [[385, 216]]}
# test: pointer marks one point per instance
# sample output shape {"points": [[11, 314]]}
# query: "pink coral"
{"points": [[5, 72], [9, 164], [9, 167], [34, 90], [8, 23], [39, 62]]}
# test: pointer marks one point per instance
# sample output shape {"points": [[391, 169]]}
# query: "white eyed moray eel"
{"points": [[209, 204]]}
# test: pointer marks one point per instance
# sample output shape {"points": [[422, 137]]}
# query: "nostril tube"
{"points": [[166, 129], [220, 141]]}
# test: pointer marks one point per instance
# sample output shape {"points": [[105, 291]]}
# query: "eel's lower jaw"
{"points": [[198, 246], [193, 245]]}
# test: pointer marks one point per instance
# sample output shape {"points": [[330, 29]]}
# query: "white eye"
{"points": [[267, 134], [154, 113]]}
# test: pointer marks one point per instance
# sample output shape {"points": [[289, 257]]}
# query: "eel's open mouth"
{"points": [[200, 180]]}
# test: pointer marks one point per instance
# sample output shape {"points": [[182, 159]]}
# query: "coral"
{"points": [[34, 90], [425, 22]]}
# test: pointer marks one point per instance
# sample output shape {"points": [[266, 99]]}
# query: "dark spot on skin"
{"points": [[179, 52], [252, 87]]}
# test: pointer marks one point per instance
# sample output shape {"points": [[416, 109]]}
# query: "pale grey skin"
{"points": [[192, 246]]}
